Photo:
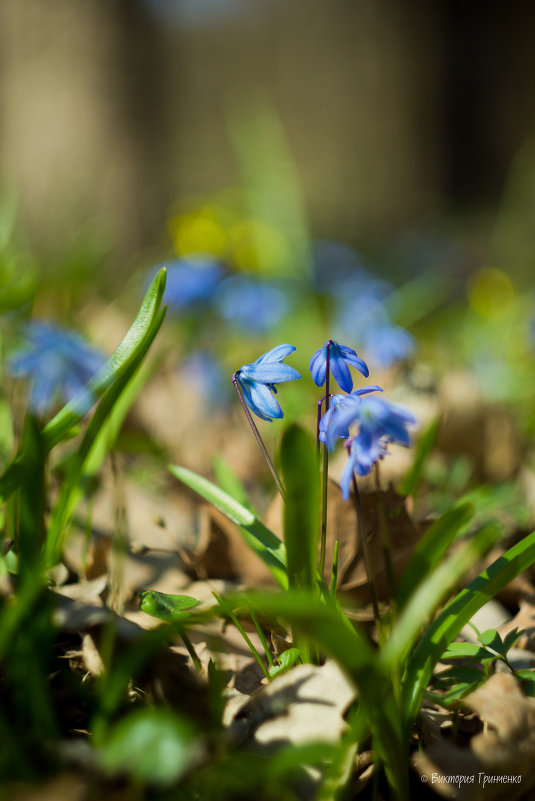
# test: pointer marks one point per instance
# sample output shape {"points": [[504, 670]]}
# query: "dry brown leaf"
{"points": [[524, 620], [505, 747], [342, 526], [222, 553]]}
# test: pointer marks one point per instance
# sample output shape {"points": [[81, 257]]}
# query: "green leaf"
{"points": [[492, 639], [459, 650], [455, 615], [117, 364], [286, 660], [229, 481], [324, 623], [459, 673], [154, 746], [259, 538], [171, 608], [512, 638], [431, 548], [424, 446], [428, 596], [299, 464]]}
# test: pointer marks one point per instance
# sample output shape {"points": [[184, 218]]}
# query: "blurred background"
{"points": [[363, 169]]}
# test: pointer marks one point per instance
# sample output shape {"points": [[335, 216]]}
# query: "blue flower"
{"points": [[365, 317], [339, 357], [59, 364], [251, 304], [191, 280], [336, 400], [257, 381], [380, 422]]}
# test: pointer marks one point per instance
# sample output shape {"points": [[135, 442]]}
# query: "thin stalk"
{"points": [[384, 531], [334, 573], [262, 636], [325, 470], [243, 633], [366, 552], [189, 647], [257, 436]]}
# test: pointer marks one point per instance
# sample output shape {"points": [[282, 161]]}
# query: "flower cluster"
{"points": [[59, 364], [379, 422]]}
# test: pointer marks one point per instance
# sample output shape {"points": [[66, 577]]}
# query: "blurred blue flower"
{"points": [[380, 422], [336, 400], [59, 364], [202, 370], [190, 281], [364, 316], [339, 357], [257, 381], [251, 304]]}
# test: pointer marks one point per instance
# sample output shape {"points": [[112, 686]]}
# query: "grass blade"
{"points": [[432, 547], [299, 464], [456, 614], [259, 538], [424, 447]]}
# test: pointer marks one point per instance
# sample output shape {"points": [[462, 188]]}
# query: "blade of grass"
{"points": [[259, 538], [300, 474], [424, 446], [71, 487], [432, 547], [456, 614], [433, 590]]}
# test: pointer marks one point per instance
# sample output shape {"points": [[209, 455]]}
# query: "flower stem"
{"points": [[325, 471], [366, 552], [258, 438], [243, 633], [385, 537]]}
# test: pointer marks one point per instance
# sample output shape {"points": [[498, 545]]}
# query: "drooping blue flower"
{"points": [[59, 364], [336, 401], [251, 304], [257, 381], [379, 423], [339, 357], [191, 280]]}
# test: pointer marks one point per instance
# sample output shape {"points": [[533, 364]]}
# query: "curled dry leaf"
{"points": [[379, 509], [505, 747]]}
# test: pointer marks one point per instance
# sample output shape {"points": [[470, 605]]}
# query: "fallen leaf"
{"points": [[505, 747]]}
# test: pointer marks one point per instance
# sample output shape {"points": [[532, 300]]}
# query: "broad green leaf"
{"points": [[455, 615], [428, 596], [300, 474], [118, 362], [431, 548], [153, 746], [144, 328], [259, 538], [492, 639], [171, 608], [286, 660], [424, 446], [70, 491], [460, 650]]}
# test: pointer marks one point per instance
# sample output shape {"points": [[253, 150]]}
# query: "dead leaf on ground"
{"points": [[342, 526], [505, 747]]}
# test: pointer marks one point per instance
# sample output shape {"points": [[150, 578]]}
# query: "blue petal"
{"points": [[347, 475], [264, 401], [276, 354], [271, 373], [318, 367], [341, 373]]}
